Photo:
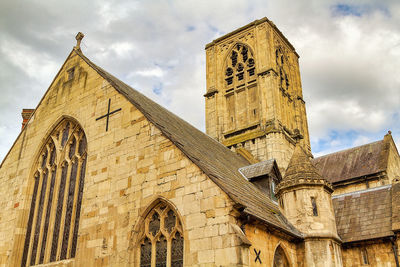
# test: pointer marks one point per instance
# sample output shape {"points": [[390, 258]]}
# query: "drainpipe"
{"points": [[392, 239]]}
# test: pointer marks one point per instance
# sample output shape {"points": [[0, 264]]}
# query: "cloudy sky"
{"points": [[349, 56]]}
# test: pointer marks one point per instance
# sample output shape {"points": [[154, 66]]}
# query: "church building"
{"points": [[100, 175]]}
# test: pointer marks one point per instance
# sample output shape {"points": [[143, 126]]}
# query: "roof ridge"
{"points": [[386, 186], [258, 163]]}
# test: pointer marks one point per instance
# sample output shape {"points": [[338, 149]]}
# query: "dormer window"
{"points": [[265, 176]]}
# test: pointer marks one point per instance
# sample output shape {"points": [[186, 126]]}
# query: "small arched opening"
{"points": [[280, 259]]}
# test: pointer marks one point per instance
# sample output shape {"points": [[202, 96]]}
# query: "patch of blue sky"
{"points": [[190, 28], [213, 28], [336, 141], [158, 88], [358, 10], [347, 10]]}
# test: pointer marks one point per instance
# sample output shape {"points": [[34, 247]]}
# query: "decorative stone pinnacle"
{"points": [[79, 38]]}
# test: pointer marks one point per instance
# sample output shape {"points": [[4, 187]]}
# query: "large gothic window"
{"points": [[280, 259], [241, 89], [161, 239], [59, 175]]}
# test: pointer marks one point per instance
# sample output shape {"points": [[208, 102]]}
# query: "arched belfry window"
{"points": [[241, 88], [161, 238], [59, 176], [280, 259], [283, 68]]}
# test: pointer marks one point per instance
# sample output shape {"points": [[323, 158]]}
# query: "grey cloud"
{"points": [[337, 69]]}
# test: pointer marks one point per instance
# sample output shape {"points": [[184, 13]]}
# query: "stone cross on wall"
{"points": [[79, 38]]}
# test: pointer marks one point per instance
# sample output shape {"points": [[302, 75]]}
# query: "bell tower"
{"points": [[254, 100]]}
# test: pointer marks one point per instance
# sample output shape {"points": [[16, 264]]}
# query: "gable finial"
{"points": [[79, 38]]}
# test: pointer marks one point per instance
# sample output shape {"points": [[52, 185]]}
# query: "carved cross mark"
{"points": [[108, 114], [257, 255]]}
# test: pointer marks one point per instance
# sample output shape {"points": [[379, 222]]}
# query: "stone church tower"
{"points": [[254, 100]]}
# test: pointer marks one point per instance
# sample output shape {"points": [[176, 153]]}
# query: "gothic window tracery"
{"points": [[53, 221], [240, 88], [161, 239]]}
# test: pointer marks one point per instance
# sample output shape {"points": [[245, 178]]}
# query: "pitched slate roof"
{"points": [[214, 159], [364, 214], [258, 169], [354, 162]]}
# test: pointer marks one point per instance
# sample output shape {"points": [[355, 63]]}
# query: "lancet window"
{"points": [[161, 239], [241, 88], [314, 206], [283, 68], [59, 176]]}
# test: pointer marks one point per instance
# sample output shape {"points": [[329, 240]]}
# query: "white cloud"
{"points": [[35, 64], [122, 48], [151, 72]]}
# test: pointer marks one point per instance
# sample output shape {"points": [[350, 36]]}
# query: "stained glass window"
{"points": [[53, 221], [161, 233], [177, 250], [145, 253]]}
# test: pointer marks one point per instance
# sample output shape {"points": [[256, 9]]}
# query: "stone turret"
{"points": [[305, 199]]}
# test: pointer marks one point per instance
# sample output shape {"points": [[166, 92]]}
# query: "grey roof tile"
{"points": [[364, 215]]}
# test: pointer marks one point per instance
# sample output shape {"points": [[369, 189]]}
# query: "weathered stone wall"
{"points": [[298, 210], [129, 167], [396, 206], [322, 252], [380, 254], [264, 243], [361, 185], [393, 165]]}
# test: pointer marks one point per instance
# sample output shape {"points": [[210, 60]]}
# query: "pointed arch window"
{"points": [[241, 88], [280, 259], [59, 176], [161, 238]]}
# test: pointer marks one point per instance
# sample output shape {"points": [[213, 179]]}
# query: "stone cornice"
{"points": [[287, 185]]}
